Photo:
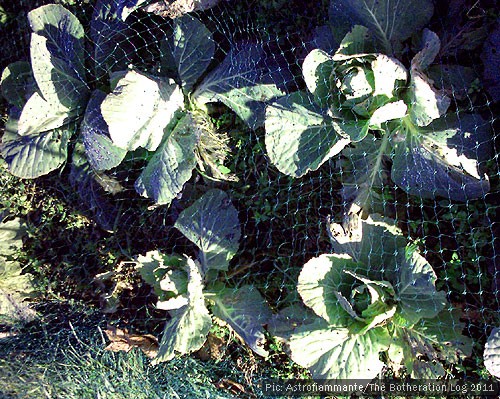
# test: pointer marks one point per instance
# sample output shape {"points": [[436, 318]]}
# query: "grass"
{"points": [[39, 362], [62, 355]]}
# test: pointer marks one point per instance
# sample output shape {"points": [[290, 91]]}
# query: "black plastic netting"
{"points": [[381, 150]]}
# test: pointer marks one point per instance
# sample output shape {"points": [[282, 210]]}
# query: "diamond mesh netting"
{"points": [[363, 170]]}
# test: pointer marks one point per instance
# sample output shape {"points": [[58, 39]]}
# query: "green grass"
{"points": [[61, 355], [96, 373]]}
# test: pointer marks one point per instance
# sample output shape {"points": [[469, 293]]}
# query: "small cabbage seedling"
{"points": [[185, 286]]}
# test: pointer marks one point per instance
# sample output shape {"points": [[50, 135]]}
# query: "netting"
{"points": [[357, 142]]}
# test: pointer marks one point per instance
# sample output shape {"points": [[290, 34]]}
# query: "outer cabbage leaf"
{"points": [[372, 242], [192, 49], [415, 287], [246, 311], [442, 159], [454, 80], [39, 115], [188, 327], [245, 82], [57, 58], [438, 339], [444, 332], [366, 170], [172, 164], [389, 21], [34, 155], [92, 188], [282, 324], [333, 353], [11, 232], [58, 81], [325, 40], [212, 224], [109, 32], [17, 83], [64, 36], [58, 68], [321, 279], [492, 353], [427, 103], [317, 68], [354, 44], [102, 154], [149, 105], [299, 138]]}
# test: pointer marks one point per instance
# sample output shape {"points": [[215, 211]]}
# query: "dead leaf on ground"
{"points": [[212, 349], [121, 340], [177, 8]]}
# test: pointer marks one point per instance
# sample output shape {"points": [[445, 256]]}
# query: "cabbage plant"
{"points": [[373, 298], [185, 286], [368, 108], [54, 102]]}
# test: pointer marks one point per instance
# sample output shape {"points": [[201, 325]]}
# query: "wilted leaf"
{"points": [[177, 8], [437, 339]]}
